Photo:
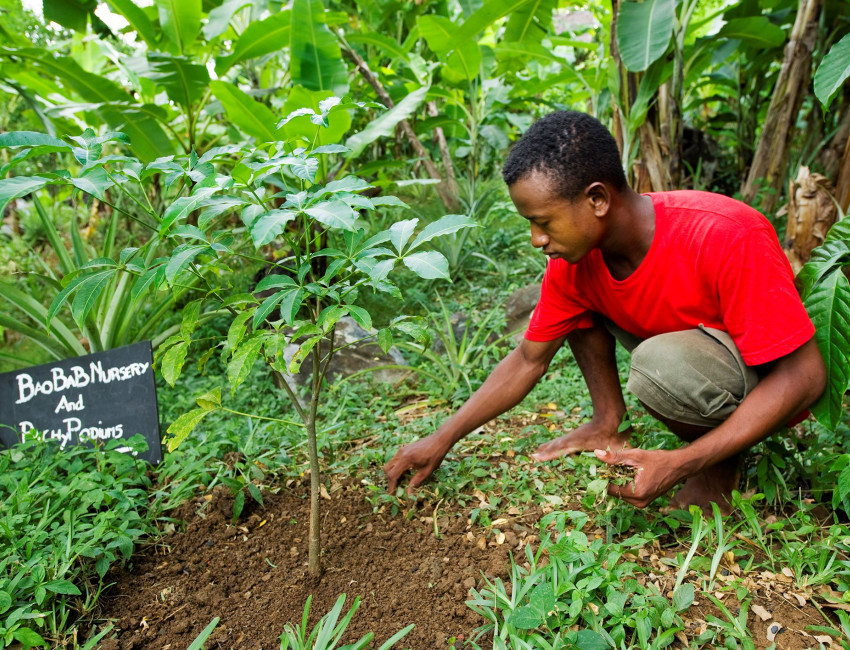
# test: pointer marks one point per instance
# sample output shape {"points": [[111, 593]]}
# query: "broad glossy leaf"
{"points": [[251, 116], [386, 123], [643, 31], [306, 168], [530, 22], [489, 12], [29, 638], [438, 32], [333, 214], [301, 354], [591, 640], [12, 188], [184, 81], [137, 18], [260, 37], [14, 139], [65, 587], [526, 618], [180, 21], [828, 305], [430, 265], [211, 399], [270, 225], [219, 18], [443, 226], [183, 426], [347, 184], [401, 232], [683, 597], [392, 201], [96, 182], [389, 46], [754, 30], [464, 62], [315, 58], [833, 71]]}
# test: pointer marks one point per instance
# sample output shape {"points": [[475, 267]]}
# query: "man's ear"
{"points": [[599, 196]]}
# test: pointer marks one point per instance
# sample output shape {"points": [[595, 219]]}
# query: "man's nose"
{"points": [[538, 238]]}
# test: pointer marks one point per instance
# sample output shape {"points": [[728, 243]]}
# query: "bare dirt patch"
{"points": [[253, 575]]}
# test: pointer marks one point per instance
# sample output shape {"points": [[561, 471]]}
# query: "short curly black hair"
{"points": [[572, 149]]}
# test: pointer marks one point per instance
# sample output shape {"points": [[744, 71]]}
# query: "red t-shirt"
{"points": [[713, 261]]}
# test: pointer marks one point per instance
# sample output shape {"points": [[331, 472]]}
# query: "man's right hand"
{"points": [[422, 456]]}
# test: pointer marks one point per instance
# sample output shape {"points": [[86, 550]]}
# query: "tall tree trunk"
{"points": [[440, 139], [650, 169], [811, 213], [842, 182], [771, 157]]}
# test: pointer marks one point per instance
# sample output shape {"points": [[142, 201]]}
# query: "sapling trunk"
{"points": [[314, 562]]}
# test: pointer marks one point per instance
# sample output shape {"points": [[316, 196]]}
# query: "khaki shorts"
{"points": [[695, 376]]}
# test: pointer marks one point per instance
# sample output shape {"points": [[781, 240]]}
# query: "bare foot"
{"points": [[587, 437], [714, 484]]}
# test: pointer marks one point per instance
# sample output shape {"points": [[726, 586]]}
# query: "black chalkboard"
{"points": [[98, 397]]}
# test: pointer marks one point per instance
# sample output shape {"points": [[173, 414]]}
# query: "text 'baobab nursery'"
{"points": [[96, 398]]}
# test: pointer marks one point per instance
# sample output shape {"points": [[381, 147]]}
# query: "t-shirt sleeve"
{"points": [[760, 306], [558, 312]]}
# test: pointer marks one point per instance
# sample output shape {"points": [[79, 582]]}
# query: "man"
{"points": [[694, 284]]}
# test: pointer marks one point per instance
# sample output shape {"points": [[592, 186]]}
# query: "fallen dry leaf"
{"points": [[761, 612], [323, 492]]}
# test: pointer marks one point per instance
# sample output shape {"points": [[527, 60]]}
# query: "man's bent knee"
{"points": [[695, 376]]}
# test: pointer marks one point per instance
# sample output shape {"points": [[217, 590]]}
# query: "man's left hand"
{"points": [[656, 474]]}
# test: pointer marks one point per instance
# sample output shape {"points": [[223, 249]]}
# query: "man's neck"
{"points": [[631, 230]]}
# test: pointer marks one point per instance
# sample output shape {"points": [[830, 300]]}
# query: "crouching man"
{"points": [[695, 285]]}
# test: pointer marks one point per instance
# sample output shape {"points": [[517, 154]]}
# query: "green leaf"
{"points": [[464, 61], [386, 123], [333, 214], [755, 30], [180, 20], [833, 71], [183, 426], [361, 316], [210, 400], [95, 182], [62, 587], [315, 60], [259, 38], [12, 188], [220, 17], [302, 352], [180, 259], [251, 116], [828, 304], [429, 265], [388, 45], [443, 226], [88, 291], [237, 329], [243, 360], [28, 638], [5, 601], [488, 13], [14, 139], [270, 225], [530, 22], [137, 18], [590, 640], [643, 31], [437, 32], [683, 597], [72, 14], [184, 81], [385, 339], [172, 362], [401, 232], [526, 618]]}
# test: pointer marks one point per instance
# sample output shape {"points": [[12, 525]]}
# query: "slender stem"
{"points": [[261, 417]]}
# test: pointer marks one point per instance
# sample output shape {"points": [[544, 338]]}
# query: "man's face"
{"points": [[561, 228]]}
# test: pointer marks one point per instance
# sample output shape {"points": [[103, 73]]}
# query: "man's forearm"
{"points": [[506, 387]]}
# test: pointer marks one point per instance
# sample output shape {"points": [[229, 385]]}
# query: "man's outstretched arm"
{"points": [[506, 386], [793, 384]]}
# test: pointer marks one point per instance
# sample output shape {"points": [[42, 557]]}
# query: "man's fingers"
{"points": [[419, 478]]}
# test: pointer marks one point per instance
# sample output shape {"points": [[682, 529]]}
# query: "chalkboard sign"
{"points": [[99, 397]]}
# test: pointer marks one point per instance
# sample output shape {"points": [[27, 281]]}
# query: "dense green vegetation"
{"points": [[229, 178]]}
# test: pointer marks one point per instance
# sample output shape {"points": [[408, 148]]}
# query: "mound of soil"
{"points": [[253, 575]]}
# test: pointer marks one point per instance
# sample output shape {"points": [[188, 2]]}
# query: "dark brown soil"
{"points": [[254, 577]]}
